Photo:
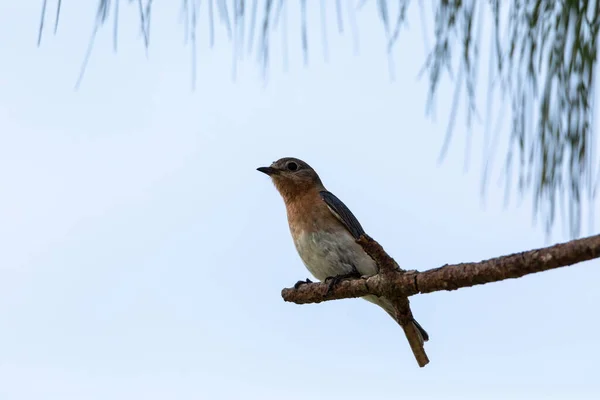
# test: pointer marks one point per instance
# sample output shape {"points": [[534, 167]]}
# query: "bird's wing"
{"points": [[342, 213]]}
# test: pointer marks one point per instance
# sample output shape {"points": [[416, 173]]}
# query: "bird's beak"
{"points": [[268, 170]]}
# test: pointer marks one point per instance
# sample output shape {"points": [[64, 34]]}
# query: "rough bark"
{"points": [[393, 282]]}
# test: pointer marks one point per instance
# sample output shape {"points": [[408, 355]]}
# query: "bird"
{"points": [[324, 230]]}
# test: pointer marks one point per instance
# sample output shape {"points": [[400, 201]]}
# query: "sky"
{"points": [[142, 255]]}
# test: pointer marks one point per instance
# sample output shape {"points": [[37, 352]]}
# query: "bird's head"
{"points": [[292, 177]]}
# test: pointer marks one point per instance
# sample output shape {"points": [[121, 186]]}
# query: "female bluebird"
{"points": [[323, 228]]}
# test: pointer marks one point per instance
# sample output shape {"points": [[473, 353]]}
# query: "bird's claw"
{"points": [[331, 281], [300, 283]]}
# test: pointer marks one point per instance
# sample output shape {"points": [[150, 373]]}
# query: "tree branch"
{"points": [[396, 284], [448, 277]]}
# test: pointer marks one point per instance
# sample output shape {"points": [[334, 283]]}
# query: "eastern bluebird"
{"points": [[324, 230]]}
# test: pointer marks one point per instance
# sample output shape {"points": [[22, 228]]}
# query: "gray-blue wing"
{"points": [[342, 213]]}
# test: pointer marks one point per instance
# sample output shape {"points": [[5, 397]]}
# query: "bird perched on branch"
{"points": [[324, 230]]}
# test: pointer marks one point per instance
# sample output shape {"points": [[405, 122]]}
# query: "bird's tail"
{"points": [[422, 332]]}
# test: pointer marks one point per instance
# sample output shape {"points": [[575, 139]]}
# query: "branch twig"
{"points": [[387, 269]]}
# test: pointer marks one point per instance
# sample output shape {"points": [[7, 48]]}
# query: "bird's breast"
{"points": [[323, 242], [332, 253]]}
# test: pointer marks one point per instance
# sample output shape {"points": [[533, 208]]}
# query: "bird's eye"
{"points": [[292, 166]]}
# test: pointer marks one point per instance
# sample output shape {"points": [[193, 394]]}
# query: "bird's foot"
{"points": [[300, 283], [331, 281]]}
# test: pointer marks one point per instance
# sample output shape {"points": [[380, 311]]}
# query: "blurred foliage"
{"points": [[542, 61]]}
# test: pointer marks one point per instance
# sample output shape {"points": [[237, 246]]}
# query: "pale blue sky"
{"points": [[142, 256]]}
